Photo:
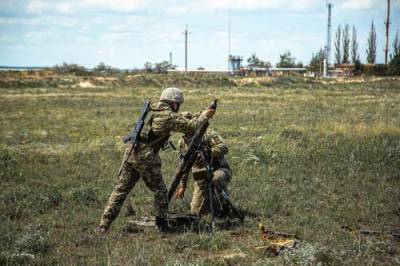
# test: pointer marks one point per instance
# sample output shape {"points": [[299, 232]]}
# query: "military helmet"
{"points": [[173, 95]]}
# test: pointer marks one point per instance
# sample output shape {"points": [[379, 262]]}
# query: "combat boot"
{"points": [[162, 225]]}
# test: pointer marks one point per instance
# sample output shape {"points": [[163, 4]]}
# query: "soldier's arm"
{"points": [[179, 123], [217, 144], [184, 181]]}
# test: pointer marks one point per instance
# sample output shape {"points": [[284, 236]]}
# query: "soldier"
{"points": [[146, 162], [214, 149]]}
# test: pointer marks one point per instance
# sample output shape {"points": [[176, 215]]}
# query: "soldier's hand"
{"points": [[180, 193], [208, 113]]}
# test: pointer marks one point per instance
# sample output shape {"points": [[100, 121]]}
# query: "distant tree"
{"points": [[346, 43], [163, 67], [396, 47], [254, 61], [394, 64], [316, 60], [287, 60], [358, 67], [200, 68], [102, 68], [73, 69], [148, 67], [371, 45], [338, 50], [354, 47]]}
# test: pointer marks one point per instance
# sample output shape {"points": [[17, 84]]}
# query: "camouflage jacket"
{"points": [[214, 149], [160, 121]]}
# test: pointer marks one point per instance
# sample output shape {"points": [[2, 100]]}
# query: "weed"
{"points": [[84, 195], [33, 240]]}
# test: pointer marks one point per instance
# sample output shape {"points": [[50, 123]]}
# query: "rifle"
{"points": [[187, 159], [134, 135]]}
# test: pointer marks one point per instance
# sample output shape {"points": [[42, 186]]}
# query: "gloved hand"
{"points": [[209, 113], [180, 193]]}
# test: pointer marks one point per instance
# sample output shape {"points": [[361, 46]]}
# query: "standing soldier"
{"points": [[214, 149], [145, 162]]}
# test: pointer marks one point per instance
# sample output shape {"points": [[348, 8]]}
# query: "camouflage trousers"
{"points": [[200, 200], [146, 164]]}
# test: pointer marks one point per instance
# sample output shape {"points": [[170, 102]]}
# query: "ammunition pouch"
{"points": [[200, 174], [156, 142]]}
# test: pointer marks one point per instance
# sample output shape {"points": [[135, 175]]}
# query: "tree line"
{"points": [[346, 51], [103, 69]]}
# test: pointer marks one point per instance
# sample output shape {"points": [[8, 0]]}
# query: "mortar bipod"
{"points": [[216, 192]]}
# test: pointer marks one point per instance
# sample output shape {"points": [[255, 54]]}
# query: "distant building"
{"points": [[344, 70], [235, 64], [254, 71]]}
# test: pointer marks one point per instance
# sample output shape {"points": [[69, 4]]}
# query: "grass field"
{"points": [[308, 158]]}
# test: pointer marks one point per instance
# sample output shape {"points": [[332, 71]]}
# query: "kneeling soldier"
{"points": [[214, 149], [146, 163]]}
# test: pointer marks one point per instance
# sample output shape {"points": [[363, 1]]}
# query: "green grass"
{"points": [[308, 158]]}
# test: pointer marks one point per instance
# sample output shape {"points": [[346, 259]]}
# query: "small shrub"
{"points": [[304, 254], [8, 164], [85, 196], [13, 205], [34, 240], [292, 134], [49, 198]]}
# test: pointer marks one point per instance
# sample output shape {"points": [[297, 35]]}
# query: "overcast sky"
{"points": [[127, 33]]}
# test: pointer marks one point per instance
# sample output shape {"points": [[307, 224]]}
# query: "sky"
{"points": [[128, 33]]}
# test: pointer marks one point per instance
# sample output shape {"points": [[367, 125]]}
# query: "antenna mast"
{"points": [[387, 24], [229, 39], [186, 53], [328, 34]]}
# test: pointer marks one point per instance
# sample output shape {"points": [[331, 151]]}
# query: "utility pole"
{"points": [[387, 24], [170, 58], [186, 53]]}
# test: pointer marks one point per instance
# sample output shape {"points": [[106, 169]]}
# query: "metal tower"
{"points": [[229, 39], [186, 49], [387, 24], [328, 34]]}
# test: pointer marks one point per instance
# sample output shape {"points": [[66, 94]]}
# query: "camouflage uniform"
{"points": [[214, 148], [146, 163]]}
